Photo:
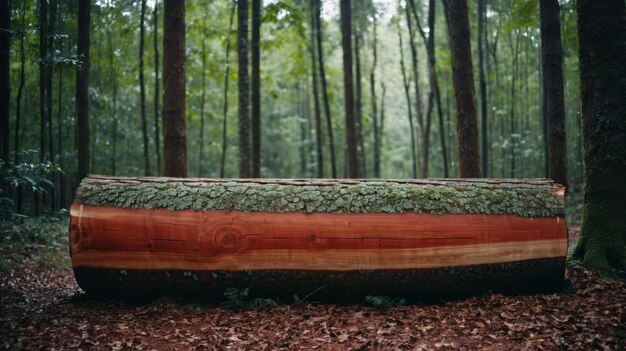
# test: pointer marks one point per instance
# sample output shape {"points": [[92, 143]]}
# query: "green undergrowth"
{"points": [[42, 240]]}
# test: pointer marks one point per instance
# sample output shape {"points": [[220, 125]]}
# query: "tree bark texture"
{"points": [[602, 40], [467, 130], [225, 101], [126, 231], [5, 89], [142, 91], [174, 130], [244, 89], [552, 69], [348, 81], [319, 141], [257, 6], [43, 30], [157, 91], [482, 32], [82, 89], [320, 62]]}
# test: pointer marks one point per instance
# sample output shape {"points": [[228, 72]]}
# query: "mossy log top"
{"points": [[528, 198]]}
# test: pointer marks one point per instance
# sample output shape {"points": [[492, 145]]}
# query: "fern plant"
{"points": [[242, 299], [384, 303]]}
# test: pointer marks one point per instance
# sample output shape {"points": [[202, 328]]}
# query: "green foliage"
{"points": [[31, 176], [384, 303], [48, 231], [242, 299]]}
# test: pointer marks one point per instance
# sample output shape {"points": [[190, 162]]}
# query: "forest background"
{"points": [[401, 132]]}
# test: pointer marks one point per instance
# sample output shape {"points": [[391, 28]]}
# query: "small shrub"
{"points": [[384, 303], [242, 299]]}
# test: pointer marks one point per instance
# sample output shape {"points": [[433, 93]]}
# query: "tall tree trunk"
{"points": [[381, 130], [5, 89], [202, 98], [359, 100], [319, 142], [256, 88], [467, 131], [244, 89], [320, 60], [49, 93], [418, 97], [157, 93], [602, 43], [348, 81], [552, 64], [513, 101], [43, 28], [225, 101], [482, 11], [142, 92], [407, 93], [174, 130], [373, 101], [82, 89], [20, 90]]}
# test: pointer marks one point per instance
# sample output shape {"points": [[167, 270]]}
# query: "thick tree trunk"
{"points": [[174, 130], [348, 81], [256, 88], [467, 130], [201, 231], [5, 86], [82, 89], [320, 61], [142, 91], [225, 101], [552, 64], [359, 101], [602, 40]]}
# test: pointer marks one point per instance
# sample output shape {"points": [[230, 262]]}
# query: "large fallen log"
{"points": [[351, 237]]}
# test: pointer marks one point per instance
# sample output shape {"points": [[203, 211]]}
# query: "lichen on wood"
{"points": [[531, 198]]}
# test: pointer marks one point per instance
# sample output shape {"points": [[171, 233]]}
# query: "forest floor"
{"points": [[42, 308]]}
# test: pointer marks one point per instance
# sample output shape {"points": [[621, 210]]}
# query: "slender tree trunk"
{"points": [[244, 89], [82, 89], [348, 80], [513, 97], [359, 101], [319, 142], [552, 64], [482, 10], [20, 90], [142, 92], [602, 43], [407, 93], [225, 102], [5, 89], [467, 131], [381, 131], [418, 98], [174, 130], [202, 98], [51, 24], [256, 88], [373, 101], [157, 93], [43, 28], [320, 60]]}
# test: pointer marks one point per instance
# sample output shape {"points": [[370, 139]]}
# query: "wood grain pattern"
{"points": [[108, 237]]}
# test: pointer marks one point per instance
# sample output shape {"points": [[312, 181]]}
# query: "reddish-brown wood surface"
{"points": [[108, 237]]}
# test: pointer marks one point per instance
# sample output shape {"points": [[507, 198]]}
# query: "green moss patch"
{"points": [[532, 199]]}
